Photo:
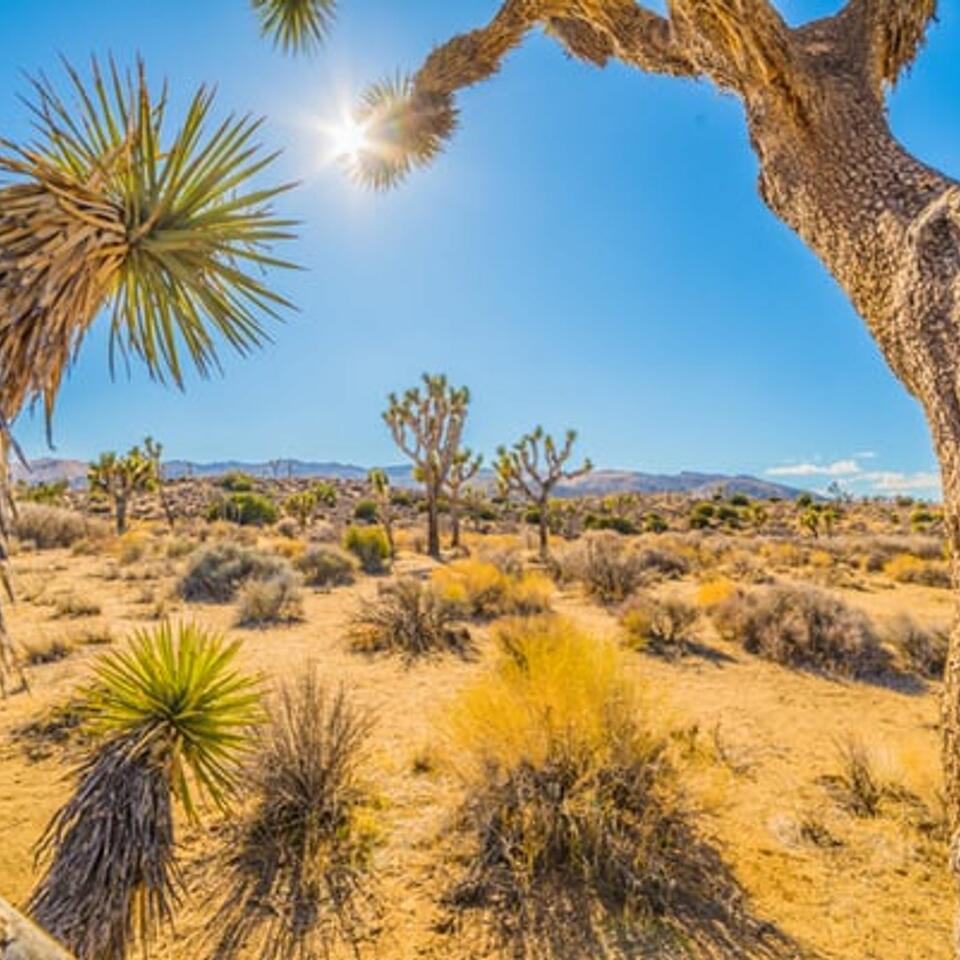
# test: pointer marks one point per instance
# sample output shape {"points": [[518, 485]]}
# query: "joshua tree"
{"points": [[532, 468], [884, 223], [154, 451], [121, 479], [427, 427], [465, 467], [173, 718], [107, 212], [382, 493], [302, 506]]}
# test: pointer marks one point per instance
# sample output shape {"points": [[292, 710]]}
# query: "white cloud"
{"points": [[888, 481], [839, 468]]}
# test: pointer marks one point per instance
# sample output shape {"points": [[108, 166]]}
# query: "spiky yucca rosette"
{"points": [[105, 212]]}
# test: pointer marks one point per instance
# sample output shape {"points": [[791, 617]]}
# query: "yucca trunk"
{"points": [[433, 523]]}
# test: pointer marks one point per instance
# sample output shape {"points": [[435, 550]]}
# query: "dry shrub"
{"points": [[274, 600], [905, 568], [481, 590], [609, 568], [923, 649], [296, 869], [802, 627], [326, 566], [216, 573], [48, 650], [288, 548], [48, 527], [60, 727], [70, 605], [662, 626], [570, 809], [408, 617], [132, 547]]}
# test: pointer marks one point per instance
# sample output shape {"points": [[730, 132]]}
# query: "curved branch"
{"points": [[894, 31]]}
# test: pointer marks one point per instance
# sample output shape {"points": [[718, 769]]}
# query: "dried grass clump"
{"points": [[408, 617], [661, 626], [802, 627], [297, 868], [48, 527], [216, 573], [49, 650], [923, 649], [570, 810], [326, 566], [69, 605], [274, 600]]}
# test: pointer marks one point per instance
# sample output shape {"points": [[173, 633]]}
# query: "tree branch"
{"points": [[894, 31]]}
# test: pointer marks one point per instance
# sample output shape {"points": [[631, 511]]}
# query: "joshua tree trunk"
{"points": [[120, 506], [433, 524], [454, 524], [544, 531], [888, 228], [21, 940]]}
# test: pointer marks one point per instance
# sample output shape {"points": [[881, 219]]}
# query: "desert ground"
{"points": [[816, 786]]}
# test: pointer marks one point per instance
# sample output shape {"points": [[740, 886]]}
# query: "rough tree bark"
{"points": [[885, 224]]}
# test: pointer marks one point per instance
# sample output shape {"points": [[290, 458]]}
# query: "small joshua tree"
{"points": [[302, 506], [427, 426], [121, 479], [380, 484], [465, 467], [532, 468], [154, 451]]}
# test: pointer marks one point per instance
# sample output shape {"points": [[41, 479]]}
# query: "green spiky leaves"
{"points": [[110, 209], [403, 129], [296, 26], [174, 696]]}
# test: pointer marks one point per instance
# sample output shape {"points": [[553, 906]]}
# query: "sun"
{"points": [[347, 138]]}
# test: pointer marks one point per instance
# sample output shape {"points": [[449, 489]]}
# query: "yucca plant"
{"points": [[297, 26], [108, 211], [172, 717]]}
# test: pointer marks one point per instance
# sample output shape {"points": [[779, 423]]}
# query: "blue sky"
{"points": [[590, 252]]}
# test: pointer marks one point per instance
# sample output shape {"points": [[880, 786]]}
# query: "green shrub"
{"points": [[236, 482], [53, 493], [370, 546], [654, 523], [325, 493], [246, 509], [601, 521], [326, 566], [216, 573], [365, 511]]}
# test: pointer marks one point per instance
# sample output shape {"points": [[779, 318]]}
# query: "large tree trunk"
{"points": [[120, 505], [22, 940], [888, 228]]}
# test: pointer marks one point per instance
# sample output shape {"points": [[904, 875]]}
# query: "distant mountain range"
{"points": [[595, 483]]}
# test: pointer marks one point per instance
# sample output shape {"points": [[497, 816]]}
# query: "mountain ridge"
{"points": [[599, 482]]}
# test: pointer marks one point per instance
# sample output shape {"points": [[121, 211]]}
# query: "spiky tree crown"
{"points": [[536, 464]]}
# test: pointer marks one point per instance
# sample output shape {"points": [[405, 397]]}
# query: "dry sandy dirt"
{"points": [[846, 887]]}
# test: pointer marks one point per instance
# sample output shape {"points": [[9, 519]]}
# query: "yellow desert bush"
{"points": [[906, 568], [714, 591], [570, 808], [477, 588]]}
